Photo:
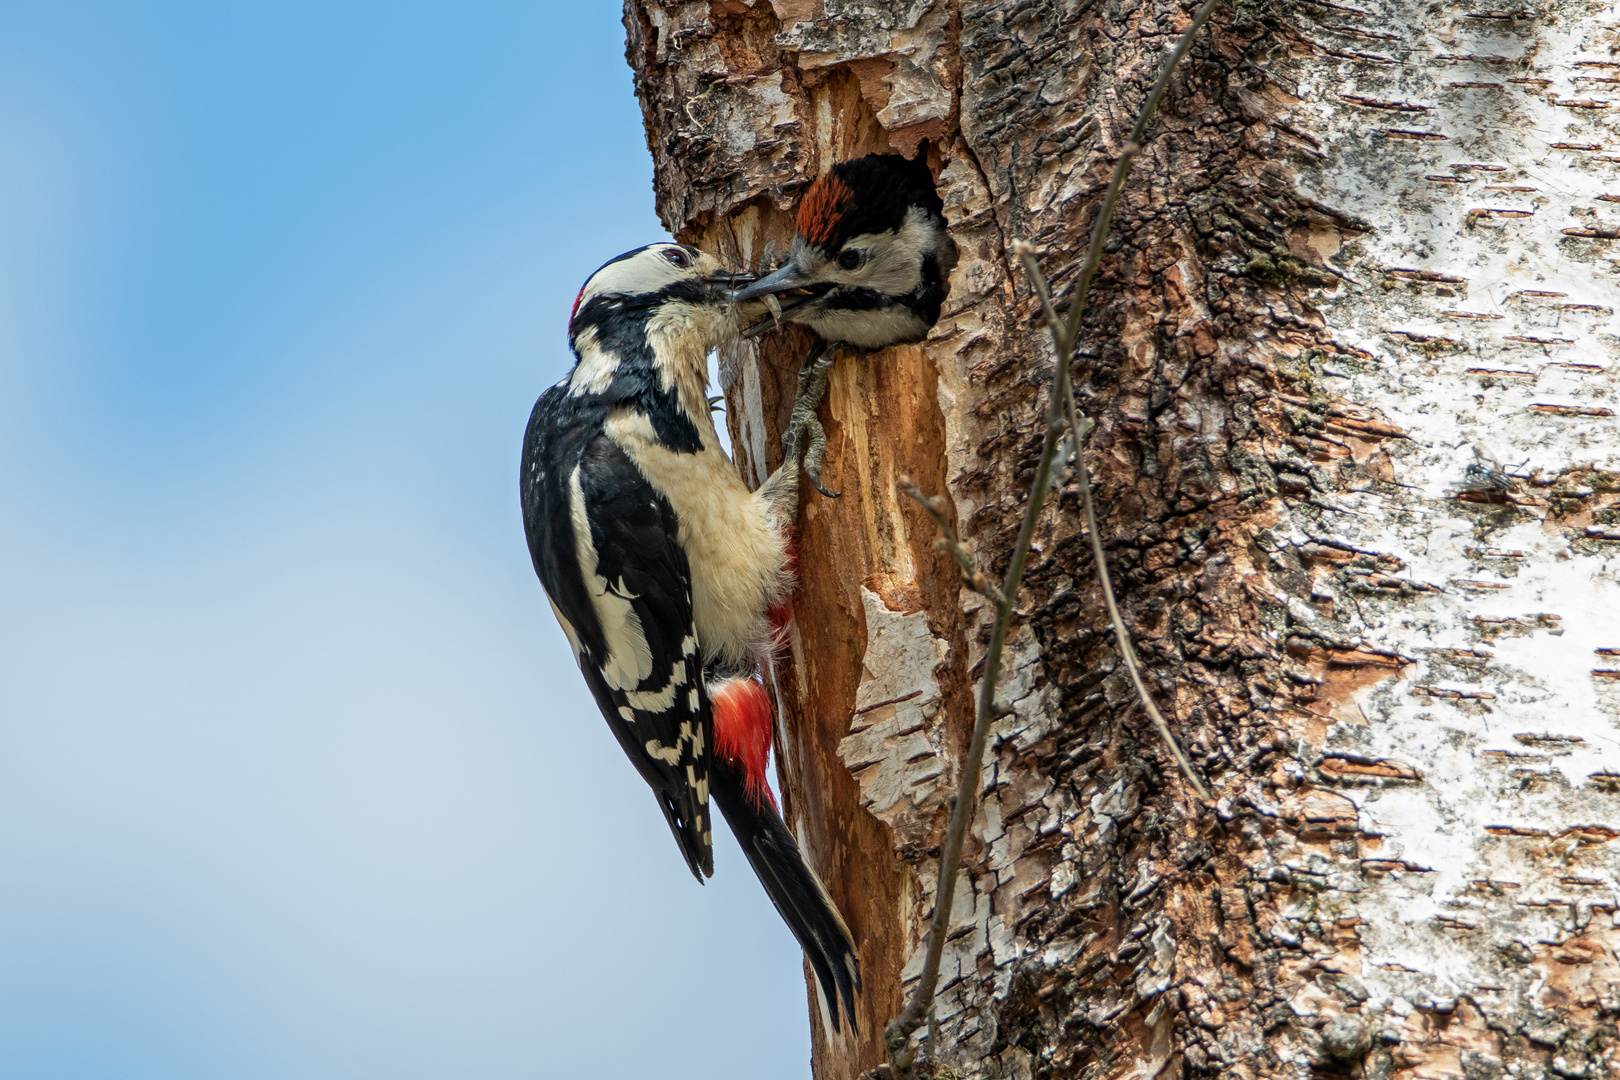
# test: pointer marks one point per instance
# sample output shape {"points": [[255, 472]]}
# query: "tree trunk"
{"points": [[1351, 358]]}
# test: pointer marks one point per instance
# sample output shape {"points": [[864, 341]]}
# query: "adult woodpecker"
{"points": [[663, 569], [869, 260]]}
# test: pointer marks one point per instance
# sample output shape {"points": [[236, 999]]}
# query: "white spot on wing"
{"points": [[654, 701], [661, 700], [693, 737], [669, 755]]}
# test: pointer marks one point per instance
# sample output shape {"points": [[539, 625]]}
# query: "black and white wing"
{"points": [[605, 546]]}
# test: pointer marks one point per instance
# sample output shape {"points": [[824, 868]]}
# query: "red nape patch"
{"points": [[742, 732], [827, 201]]}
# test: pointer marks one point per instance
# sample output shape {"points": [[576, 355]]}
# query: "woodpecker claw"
{"points": [[805, 433], [812, 461], [815, 482]]}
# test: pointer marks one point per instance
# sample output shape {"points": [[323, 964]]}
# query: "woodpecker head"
{"points": [[870, 255], [672, 280], [659, 308]]}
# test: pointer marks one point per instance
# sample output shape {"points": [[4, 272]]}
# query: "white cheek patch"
{"points": [[629, 659], [675, 319], [894, 259], [674, 325], [869, 329]]}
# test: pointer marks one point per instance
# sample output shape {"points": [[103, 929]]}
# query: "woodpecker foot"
{"points": [[804, 430]]}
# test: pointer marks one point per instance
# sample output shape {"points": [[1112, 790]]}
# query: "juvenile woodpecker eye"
{"points": [[676, 256], [851, 258]]}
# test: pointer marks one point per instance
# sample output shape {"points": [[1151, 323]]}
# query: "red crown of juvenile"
{"points": [[821, 208]]}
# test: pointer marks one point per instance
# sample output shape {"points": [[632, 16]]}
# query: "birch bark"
{"points": [[1353, 363]]}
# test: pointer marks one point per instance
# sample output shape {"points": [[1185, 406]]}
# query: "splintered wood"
{"points": [[1353, 364]]}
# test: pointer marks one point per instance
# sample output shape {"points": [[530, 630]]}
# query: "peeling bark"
{"points": [[1353, 363]]}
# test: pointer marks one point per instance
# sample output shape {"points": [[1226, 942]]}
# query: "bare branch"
{"points": [[1127, 652], [1060, 337]]}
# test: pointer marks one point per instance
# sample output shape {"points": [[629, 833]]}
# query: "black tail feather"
{"points": [[697, 852], [798, 894]]}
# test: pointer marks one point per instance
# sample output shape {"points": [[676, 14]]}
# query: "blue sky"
{"points": [[297, 778]]}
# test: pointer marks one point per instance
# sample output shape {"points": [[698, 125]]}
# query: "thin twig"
{"points": [[947, 542], [900, 1030], [1081, 427], [1127, 651]]}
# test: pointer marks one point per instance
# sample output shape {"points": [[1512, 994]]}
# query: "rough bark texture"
{"points": [[1364, 240]]}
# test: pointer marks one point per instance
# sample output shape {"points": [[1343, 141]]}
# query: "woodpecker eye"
{"points": [[676, 256], [851, 258]]}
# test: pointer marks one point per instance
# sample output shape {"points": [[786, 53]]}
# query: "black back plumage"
{"points": [[633, 532]]}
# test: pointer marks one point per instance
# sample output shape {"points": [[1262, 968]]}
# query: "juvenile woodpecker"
{"points": [[663, 569], [871, 252], [868, 264]]}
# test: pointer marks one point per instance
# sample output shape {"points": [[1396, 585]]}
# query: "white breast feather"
{"points": [[736, 552]]}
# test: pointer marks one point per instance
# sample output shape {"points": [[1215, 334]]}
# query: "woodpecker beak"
{"points": [[729, 281], [799, 304], [788, 277]]}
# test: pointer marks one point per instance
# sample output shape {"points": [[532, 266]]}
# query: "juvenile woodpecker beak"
{"points": [[788, 277]]}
